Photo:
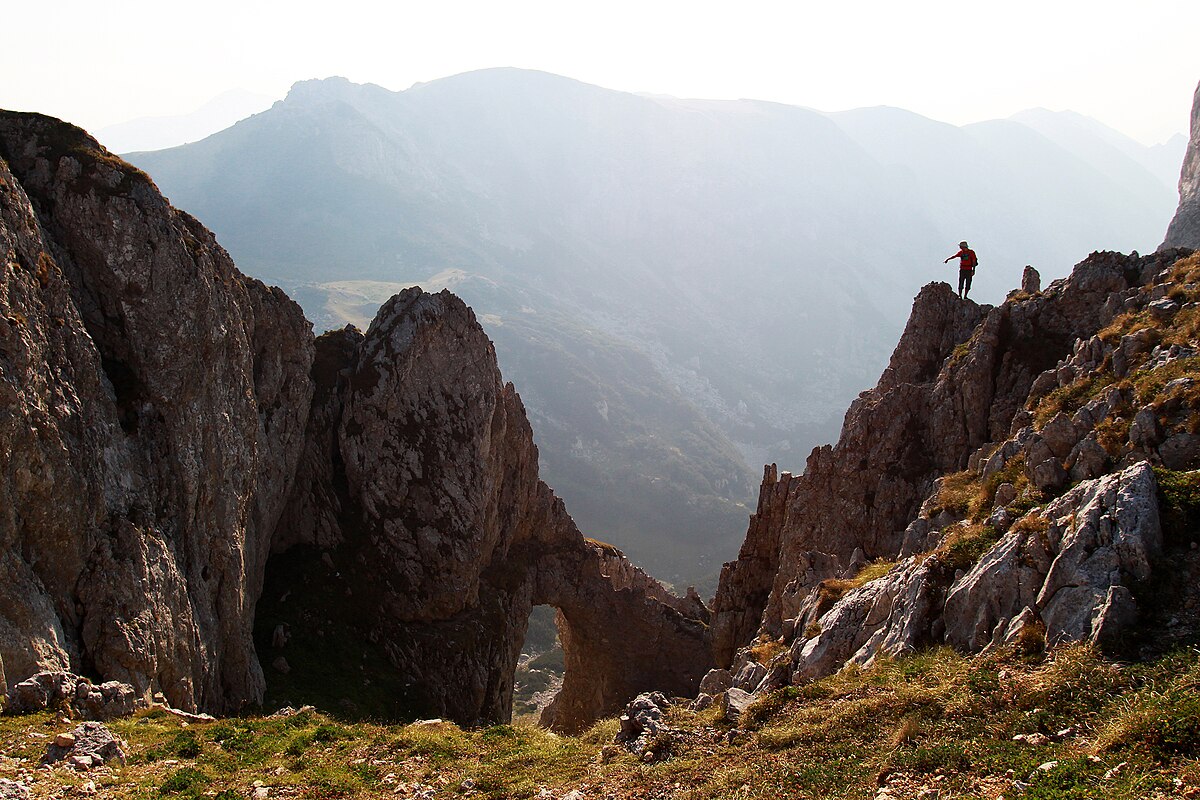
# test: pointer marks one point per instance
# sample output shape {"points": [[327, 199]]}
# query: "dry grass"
{"points": [[934, 721], [967, 495], [837, 588], [1031, 640], [765, 652], [609, 549], [1187, 271], [1031, 523], [964, 544], [961, 493], [1070, 398]]}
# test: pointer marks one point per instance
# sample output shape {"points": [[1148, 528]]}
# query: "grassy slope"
{"points": [[935, 722]]}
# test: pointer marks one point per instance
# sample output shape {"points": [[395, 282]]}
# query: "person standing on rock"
{"points": [[966, 268]]}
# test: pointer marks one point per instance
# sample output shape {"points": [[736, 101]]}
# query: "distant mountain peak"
{"points": [[333, 87]]}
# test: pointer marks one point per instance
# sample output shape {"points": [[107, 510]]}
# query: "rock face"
{"points": [[1066, 570], [429, 467], [746, 583], [1184, 230], [861, 493], [1007, 414], [153, 405], [1070, 570], [172, 426]]}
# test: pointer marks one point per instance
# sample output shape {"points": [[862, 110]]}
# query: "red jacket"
{"points": [[969, 259]]}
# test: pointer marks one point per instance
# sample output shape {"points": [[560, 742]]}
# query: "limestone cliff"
{"points": [[153, 401], [169, 428], [1184, 230], [429, 472], [952, 475]]}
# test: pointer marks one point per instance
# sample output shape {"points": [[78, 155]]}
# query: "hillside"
{"points": [[1068, 726], [717, 280]]}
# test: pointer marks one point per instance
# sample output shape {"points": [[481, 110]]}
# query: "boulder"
{"points": [[642, 727], [1115, 617], [1163, 309], [13, 790], [889, 616], [94, 745], [1060, 435], [1145, 430], [1088, 459], [1048, 475], [1017, 629], [734, 703], [716, 681], [919, 537], [1069, 565], [750, 676], [1181, 451]]}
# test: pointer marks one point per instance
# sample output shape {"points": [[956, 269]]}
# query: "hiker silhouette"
{"points": [[966, 267]]}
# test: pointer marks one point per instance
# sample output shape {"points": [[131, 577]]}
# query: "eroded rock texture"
{"points": [[1184, 230], [429, 463], [957, 399], [1069, 572], [152, 405], [168, 425]]}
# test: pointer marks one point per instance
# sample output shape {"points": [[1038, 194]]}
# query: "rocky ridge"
{"points": [[174, 429], [1004, 476], [1184, 230]]}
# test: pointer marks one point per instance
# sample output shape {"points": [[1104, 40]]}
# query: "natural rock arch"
{"points": [[420, 468]]}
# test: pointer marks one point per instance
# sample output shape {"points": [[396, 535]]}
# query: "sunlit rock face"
{"points": [[1184, 230], [957, 404]]}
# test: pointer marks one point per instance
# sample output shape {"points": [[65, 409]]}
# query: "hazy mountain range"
{"points": [[681, 290], [156, 133]]}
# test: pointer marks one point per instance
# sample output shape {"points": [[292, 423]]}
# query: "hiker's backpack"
{"points": [[969, 260]]}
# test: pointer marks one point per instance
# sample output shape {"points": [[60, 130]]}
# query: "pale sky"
{"points": [[1133, 66]]}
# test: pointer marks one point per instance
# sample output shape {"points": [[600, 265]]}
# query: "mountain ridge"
{"points": [[647, 221]]}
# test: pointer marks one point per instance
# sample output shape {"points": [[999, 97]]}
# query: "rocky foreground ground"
{"points": [[1015, 724]]}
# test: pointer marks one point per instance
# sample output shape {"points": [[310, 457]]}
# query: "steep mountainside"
{"points": [[154, 400], [174, 441], [999, 483], [1185, 227], [704, 272]]}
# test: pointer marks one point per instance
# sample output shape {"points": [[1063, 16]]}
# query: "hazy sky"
{"points": [[1132, 66]]}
